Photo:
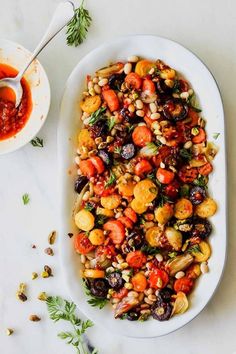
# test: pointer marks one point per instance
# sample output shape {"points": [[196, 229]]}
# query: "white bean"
{"points": [[153, 107], [139, 104], [179, 275], [77, 160], [162, 165], [86, 196], [127, 68], [159, 257], [155, 116], [97, 89], [132, 294], [184, 95], [103, 82], [133, 59], [140, 113], [188, 144]]}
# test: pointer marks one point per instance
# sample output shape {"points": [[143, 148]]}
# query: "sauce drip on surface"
{"points": [[12, 119]]}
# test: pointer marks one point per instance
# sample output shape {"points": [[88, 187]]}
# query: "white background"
{"points": [[208, 28]]}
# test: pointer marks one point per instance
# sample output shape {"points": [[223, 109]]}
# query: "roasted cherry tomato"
{"points": [[82, 244], [158, 278], [184, 284]]}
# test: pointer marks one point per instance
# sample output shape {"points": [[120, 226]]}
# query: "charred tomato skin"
{"points": [[115, 280], [175, 109], [201, 228], [80, 183], [161, 310], [197, 195], [99, 288]]}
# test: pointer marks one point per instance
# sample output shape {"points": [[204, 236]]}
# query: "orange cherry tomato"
{"points": [[120, 294], [117, 231], [139, 282], [136, 259], [130, 213], [134, 80], [148, 86], [158, 278], [142, 167], [126, 222], [141, 135], [206, 169], [188, 175], [198, 139], [108, 251], [110, 97], [98, 164], [101, 190], [87, 168], [82, 244], [164, 176], [184, 284]]}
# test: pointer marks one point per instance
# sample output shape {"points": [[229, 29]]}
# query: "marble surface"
{"points": [[207, 28]]}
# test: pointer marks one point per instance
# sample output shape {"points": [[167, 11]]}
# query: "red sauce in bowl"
{"points": [[12, 119]]}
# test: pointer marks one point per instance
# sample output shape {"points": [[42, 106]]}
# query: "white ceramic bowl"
{"points": [[205, 86], [15, 55]]}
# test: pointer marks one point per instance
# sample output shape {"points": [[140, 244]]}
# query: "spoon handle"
{"points": [[62, 15]]}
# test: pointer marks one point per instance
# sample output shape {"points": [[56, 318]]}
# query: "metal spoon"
{"points": [[63, 13]]}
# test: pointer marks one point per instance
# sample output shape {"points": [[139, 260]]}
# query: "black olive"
{"points": [[197, 195], [132, 316], [128, 151], [115, 280], [115, 81], [98, 129], [165, 294], [99, 288], [80, 183], [201, 228], [105, 156], [175, 109], [161, 310]]}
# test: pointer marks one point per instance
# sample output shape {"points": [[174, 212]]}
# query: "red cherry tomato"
{"points": [[136, 259], [148, 86], [188, 175], [98, 164], [134, 80], [142, 167], [108, 251], [172, 190], [82, 244]]}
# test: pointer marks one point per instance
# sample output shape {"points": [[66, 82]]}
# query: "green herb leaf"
{"points": [[194, 248], [131, 127], [25, 198], [172, 254], [184, 190], [111, 180], [111, 122], [37, 142], [100, 220], [185, 154], [117, 150], [152, 176], [201, 181], [89, 206], [216, 135], [60, 309], [152, 251], [162, 199], [97, 115], [78, 26]]}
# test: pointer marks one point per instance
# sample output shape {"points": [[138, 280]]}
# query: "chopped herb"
{"points": [[194, 248], [94, 301], [89, 206], [152, 251], [154, 146], [60, 309], [162, 199], [184, 190], [123, 316], [142, 221], [111, 180], [216, 135], [78, 26], [195, 131], [185, 154], [172, 254], [97, 115], [117, 150], [151, 176], [111, 123], [201, 181], [176, 87], [37, 142], [25, 198], [100, 220]]}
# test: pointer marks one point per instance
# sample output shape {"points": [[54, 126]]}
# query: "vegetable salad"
{"points": [[143, 163]]}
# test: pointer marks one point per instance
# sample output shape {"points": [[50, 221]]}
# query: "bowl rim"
{"points": [[104, 45], [17, 144]]}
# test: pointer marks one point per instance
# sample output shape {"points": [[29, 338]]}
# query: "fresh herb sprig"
{"points": [[111, 123], [97, 115], [186, 154], [216, 136], [152, 251], [25, 198], [37, 142], [93, 300], [100, 220], [111, 180], [60, 309], [78, 26], [194, 248]]}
